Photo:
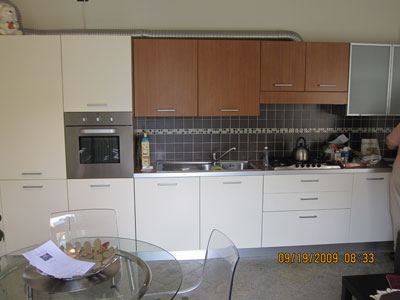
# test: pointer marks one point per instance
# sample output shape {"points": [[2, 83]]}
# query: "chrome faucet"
{"points": [[214, 155]]}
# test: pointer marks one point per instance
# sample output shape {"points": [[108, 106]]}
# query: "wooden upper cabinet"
{"points": [[282, 66], [327, 67], [229, 77], [165, 77]]}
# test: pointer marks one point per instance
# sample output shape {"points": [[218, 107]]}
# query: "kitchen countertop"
{"points": [[382, 166]]}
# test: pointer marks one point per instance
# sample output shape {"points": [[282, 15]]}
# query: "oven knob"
{"points": [[319, 165], [307, 165], [97, 119], [111, 119], [84, 119], [313, 165], [297, 165], [302, 165]]}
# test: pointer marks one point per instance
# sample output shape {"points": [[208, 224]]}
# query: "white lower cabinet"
{"points": [[289, 228], [114, 193], [27, 206], [233, 205], [370, 213], [167, 212]]}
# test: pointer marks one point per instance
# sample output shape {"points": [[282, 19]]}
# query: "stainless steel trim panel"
{"points": [[390, 78], [258, 173]]}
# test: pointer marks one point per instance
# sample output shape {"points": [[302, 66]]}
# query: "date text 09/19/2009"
{"points": [[326, 258]]}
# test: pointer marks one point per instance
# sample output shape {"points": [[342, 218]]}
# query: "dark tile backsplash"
{"points": [[278, 126]]}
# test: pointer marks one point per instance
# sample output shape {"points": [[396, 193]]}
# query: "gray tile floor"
{"points": [[263, 277]]}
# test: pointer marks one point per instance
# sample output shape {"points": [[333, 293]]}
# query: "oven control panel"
{"points": [[97, 118]]}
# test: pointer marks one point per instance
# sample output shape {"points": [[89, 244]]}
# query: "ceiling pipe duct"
{"points": [[173, 34], [177, 34]]}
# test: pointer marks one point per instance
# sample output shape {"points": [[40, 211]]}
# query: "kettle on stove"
{"points": [[301, 153]]}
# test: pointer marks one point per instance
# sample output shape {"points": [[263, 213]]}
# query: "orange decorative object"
{"points": [[104, 247]]}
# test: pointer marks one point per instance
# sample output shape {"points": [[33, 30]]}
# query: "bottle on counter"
{"points": [[266, 157], [145, 147], [338, 156]]}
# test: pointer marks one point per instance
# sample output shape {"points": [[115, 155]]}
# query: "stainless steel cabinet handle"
{"points": [[377, 178], [166, 110], [92, 131], [232, 182], [283, 84], [309, 180], [305, 199], [32, 186], [31, 173], [230, 109], [100, 185], [167, 184], [327, 85], [308, 217], [97, 104]]}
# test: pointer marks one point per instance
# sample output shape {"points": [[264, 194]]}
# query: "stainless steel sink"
{"points": [[197, 166]]}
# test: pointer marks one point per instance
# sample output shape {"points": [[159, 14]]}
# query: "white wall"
{"points": [[315, 20]]}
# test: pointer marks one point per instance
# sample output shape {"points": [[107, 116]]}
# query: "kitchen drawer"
{"points": [[305, 227], [306, 201], [308, 183]]}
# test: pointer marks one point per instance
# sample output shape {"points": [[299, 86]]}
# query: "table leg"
{"points": [[131, 281], [29, 294], [346, 295]]}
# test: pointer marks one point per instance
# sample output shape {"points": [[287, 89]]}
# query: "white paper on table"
{"points": [[49, 259]]}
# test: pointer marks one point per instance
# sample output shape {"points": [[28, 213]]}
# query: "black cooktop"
{"points": [[287, 163]]}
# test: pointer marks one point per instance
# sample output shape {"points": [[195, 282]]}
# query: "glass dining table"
{"points": [[142, 271]]}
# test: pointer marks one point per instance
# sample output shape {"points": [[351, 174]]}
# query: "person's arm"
{"points": [[393, 139]]}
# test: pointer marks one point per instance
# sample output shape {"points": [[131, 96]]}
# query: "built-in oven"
{"points": [[99, 145]]}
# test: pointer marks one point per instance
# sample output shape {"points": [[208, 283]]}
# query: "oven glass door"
{"points": [[99, 152]]}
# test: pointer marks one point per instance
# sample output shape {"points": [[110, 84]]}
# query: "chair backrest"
{"points": [[219, 267], [72, 225]]}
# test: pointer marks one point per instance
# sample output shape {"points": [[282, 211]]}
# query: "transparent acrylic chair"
{"points": [[88, 224], [216, 279]]}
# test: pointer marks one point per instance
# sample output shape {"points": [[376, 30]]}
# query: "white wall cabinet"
{"points": [[370, 212], [97, 73], [232, 204], [116, 194], [31, 114], [27, 205], [167, 212]]}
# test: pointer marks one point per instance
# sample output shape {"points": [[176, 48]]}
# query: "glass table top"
{"points": [[141, 269]]}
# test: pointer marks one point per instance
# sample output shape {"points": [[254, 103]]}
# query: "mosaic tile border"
{"points": [[264, 130]]}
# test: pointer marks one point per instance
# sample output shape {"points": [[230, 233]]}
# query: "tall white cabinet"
{"points": [[97, 73], [31, 114], [116, 193], [32, 156]]}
